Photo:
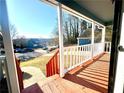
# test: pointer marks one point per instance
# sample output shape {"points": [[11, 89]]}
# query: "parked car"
{"points": [[45, 48], [18, 50], [24, 58], [28, 50], [24, 50], [53, 48], [50, 49]]}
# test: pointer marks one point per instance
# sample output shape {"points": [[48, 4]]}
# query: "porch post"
{"points": [[103, 34], [92, 41], [103, 37], [60, 40], [8, 46]]}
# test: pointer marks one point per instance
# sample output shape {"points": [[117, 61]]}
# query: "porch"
{"points": [[78, 69], [91, 77]]}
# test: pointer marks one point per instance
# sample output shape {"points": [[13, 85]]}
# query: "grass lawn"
{"points": [[39, 62]]}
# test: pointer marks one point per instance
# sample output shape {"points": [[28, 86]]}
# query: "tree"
{"points": [[70, 29], [13, 32], [74, 27], [108, 35], [86, 33], [20, 42], [55, 36]]}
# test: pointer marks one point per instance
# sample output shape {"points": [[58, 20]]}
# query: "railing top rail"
{"points": [[57, 51], [84, 45], [76, 46]]}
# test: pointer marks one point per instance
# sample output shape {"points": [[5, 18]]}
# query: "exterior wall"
{"points": [[82, 41]]}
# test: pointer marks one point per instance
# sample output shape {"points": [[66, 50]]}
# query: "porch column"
{"points": [[8, 46], [61, 50], [103, 34], [92, 40], [103, 37]]}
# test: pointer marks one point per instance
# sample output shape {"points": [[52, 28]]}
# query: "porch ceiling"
{"points": [[98, 10]]}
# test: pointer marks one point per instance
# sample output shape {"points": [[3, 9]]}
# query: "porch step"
{"points": [[36, 88], [54, 84], [48, 79]]}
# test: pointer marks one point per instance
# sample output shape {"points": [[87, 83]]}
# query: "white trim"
{"points": [[11, 66], [92, 40], [103, 37], [103, 34], [72, 12], [93, 27], [49, 2], [84, 38], [61, 49], [77, 14]]}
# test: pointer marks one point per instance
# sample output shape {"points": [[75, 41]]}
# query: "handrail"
{"points": [[52, 67], [20, 74], [18, 69]]}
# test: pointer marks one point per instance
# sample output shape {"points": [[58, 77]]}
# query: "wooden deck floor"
{"points": [[92, 78]]}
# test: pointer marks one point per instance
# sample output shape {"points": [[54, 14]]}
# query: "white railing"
{"points": [[98, 48], [76, 55]]}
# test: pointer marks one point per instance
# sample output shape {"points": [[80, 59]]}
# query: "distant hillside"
{"points": [[30, 42], [39, 40]]}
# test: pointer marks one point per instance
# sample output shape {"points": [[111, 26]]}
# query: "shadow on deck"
{"points": [[91, 77]]}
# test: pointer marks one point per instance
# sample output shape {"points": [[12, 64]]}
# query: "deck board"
{"points": [[90, 79]]}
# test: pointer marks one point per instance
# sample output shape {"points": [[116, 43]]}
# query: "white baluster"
{"points": [[85, 51], [81, 54], [74, 55], [107, 47], [66, 57], [77, 55], [110, 47]]}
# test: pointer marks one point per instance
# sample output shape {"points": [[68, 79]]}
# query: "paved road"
{"points": [[30, 55]]}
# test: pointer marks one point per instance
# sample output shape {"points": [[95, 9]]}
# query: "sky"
{"points": [[32, 18]]}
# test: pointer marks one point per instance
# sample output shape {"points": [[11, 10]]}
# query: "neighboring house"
{"points": [[83, 41], [30, 43]]}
